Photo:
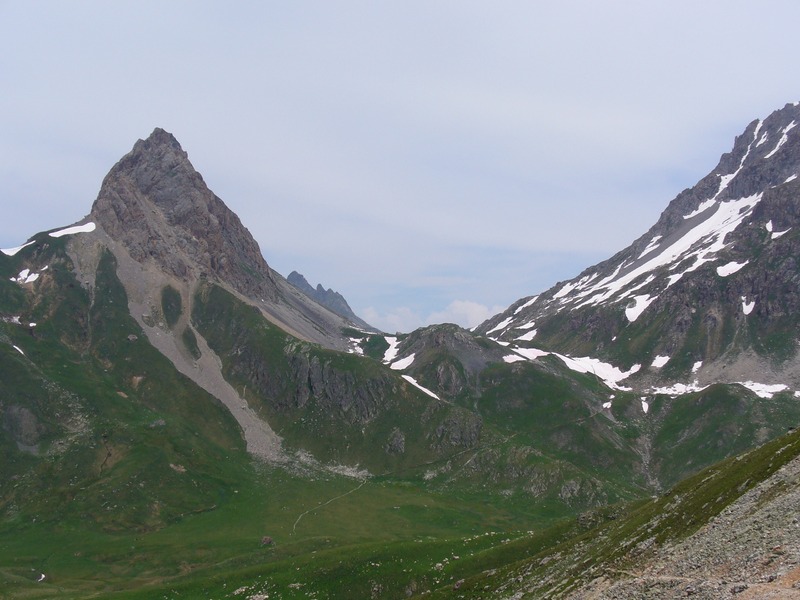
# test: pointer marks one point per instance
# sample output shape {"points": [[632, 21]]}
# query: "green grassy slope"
{"points": [[626, 534], [121, 478], [120, 474]]}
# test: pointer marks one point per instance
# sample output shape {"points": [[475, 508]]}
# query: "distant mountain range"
{"points": [[154, 366]]}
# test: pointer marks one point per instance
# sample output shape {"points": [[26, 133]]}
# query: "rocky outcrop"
{"points": [[22, 425], [339, 392], [461, 429]]}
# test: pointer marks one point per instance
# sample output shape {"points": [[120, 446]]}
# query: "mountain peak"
{"points": [[161, 136], [157, 205], [701, 297], [329, 298], [159, 147]]}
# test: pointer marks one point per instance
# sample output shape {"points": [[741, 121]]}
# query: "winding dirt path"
{"points": [[310, 510]]}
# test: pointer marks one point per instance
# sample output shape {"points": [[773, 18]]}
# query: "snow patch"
{"points": [[791, 178], [17, 348], [501, 325], [660, 361], [403, 363], [527, 304], [25, 276], [645, 406], [13, 251], [730, 268], [527, 325], [678, 389], [512, 358], [527, 337], [777, 234], [87, 228], [564, 290], [704, 206], [763, 390], [648, 280], [606, 404], [747, 307], [531, 353], [696, 366], [610, 374], [674, 279], [769, 225], [392, 350], [356, 348], [640, 303], [413, 382], [783, 140], [651, 246]]}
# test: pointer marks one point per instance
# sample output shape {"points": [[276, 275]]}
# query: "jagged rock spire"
{"points": [[157, 205]]}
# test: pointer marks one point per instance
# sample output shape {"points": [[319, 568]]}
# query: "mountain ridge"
{"points": [[149, 354], [328, 298], [694, 275]]}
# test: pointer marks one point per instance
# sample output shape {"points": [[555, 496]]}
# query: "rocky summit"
{"points": [[159, 208], [177, 419]]}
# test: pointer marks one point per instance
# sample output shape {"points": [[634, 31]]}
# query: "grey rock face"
{"points": [[157, 205], [459, 430], [338, 391]]}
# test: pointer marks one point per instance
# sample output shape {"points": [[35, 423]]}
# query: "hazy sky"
{"points": [[432, 161]]}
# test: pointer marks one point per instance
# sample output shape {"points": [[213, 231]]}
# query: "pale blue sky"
{"points": [[429, 160]]}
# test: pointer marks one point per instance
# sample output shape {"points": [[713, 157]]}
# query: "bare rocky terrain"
{"points": [[751, 550]]}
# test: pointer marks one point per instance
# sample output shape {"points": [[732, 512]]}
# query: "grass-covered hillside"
{"points": [[121, 478]]}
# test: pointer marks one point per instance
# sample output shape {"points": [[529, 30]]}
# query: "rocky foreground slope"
{"points": [[733, 530], [751, 550]]}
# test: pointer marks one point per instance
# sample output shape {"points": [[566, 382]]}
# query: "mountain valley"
{"points": [[180, 420]]}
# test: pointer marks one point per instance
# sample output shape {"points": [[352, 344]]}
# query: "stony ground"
{"points": [[750, 551]]}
